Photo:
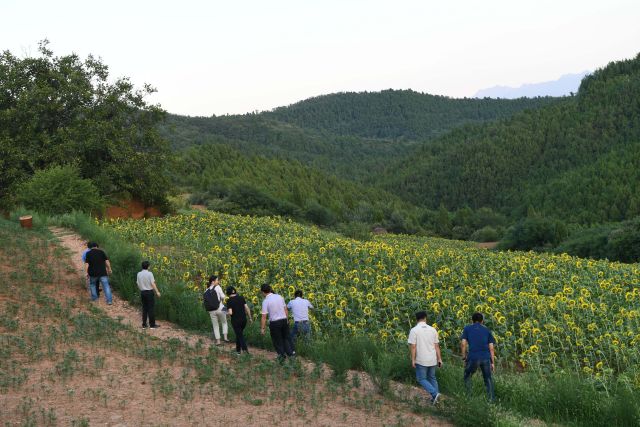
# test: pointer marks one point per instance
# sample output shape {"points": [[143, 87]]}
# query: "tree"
{"points": [[63, 111]]}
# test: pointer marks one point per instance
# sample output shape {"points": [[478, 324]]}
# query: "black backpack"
{"points": [[211, 300]]}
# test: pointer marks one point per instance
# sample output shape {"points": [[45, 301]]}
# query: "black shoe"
{"points": [[154, 327], [144, 326]]}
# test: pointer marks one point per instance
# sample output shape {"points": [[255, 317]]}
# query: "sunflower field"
{"points": [[546, 311]]}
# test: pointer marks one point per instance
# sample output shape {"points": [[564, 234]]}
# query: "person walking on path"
{"points": [[98, 270], [479, 341], [274, 306], [239, 312], [299, 307], [213, 299], [425, 355], [147, 285], [84, 261]]}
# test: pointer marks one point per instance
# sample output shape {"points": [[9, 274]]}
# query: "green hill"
{"points": [[393, 114], [351, 135], [575, 159]]}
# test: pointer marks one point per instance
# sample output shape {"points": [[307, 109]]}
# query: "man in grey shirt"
{"points": [[147, 285], [274, 306]]}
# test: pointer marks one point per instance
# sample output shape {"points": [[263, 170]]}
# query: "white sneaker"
{"points": [[435, 399]]}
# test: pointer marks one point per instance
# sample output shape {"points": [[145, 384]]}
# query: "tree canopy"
{"points": [[63, 110]]}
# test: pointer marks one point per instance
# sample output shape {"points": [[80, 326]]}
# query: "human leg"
{"points": [[286, 336], [294, 332], [431, 378], [469, 369], [214, 323], [222, 318], [145, 308], [238, 330], [275, 329], [104, 281], [92, 287], [485, 367], [421, 377]]}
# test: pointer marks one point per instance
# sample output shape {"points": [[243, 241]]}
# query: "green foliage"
{"points": [[534, 233], [64, 110], [485, 234], [618, 242], [397, 113], [573, 159], [228, 181], [58, 190]]}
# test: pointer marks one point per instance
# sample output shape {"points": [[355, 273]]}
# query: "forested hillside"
{"points": [[576, 159], [349, 157], [226, 180], [352, 135], [394, 114]]}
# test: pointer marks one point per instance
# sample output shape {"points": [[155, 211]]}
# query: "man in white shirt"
{"points": [[299, 307], [147, 285], [425, 355], [274, 306]]}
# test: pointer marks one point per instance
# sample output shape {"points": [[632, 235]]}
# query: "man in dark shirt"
{"points": [[98, 269], [479, 341]]}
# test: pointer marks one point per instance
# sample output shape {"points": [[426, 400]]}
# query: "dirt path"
{"points": [[120, 309], [335, 414]]}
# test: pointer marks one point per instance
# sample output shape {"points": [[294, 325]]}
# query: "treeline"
{"points": [[349, 157], [575, 160], [224, 179], [66, 130], [398, 114]]}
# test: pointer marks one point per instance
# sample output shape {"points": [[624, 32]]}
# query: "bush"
{"points": [[534, 233], [485, 234], [59, 190]]}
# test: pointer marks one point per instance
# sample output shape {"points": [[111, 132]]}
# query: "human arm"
{"points": [[493, 357], [263, 323], [155, 288], [463, 349], [412, 350], [108, 264], [438, 355], [248, 311]]}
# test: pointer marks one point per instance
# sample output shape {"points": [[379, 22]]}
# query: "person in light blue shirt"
{"points": [[299, 307]]}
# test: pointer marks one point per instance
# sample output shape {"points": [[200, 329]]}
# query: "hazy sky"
{"points": [[219, 57]]}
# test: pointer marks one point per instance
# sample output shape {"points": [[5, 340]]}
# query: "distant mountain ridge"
{"points": [[564, 86]]}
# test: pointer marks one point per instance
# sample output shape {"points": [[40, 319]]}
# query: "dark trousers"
{"points": [[148, 302], [485, 366], [281, 337], [238, 330]]}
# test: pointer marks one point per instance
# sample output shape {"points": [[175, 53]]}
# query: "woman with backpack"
{"points": [[213, 298], [239, 312]]}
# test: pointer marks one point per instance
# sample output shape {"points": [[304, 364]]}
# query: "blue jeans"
{"points": [[104, 281], [485, 366], [426, 377], [301, 328]]}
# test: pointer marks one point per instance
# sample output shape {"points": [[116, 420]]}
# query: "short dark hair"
{"points": [[92, 245], [145, 265], [231, 290], [298, 293], [477, 317], [266, 288], [212, 279], [421, 315]]}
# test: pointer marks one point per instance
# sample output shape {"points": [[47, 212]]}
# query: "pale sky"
{"points": [[228, 57]]}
